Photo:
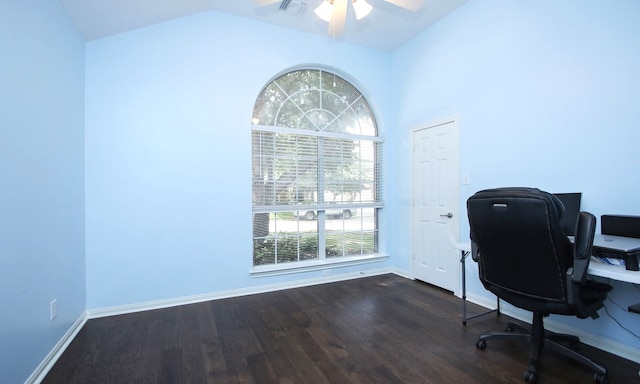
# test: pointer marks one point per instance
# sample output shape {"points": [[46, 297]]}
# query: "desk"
{"points": [[596, 268], [625, 248], [613, 272]]}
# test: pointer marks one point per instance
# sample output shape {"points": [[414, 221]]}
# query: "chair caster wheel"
{"points": [[600, 378], [531, 377], [481, 345]]}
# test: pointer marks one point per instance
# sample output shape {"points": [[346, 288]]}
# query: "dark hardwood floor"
{"points": [[382, 329]]}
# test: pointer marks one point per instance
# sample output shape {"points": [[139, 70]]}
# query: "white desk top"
{"points": [[614, 272], [596, 268], [463, 246]]}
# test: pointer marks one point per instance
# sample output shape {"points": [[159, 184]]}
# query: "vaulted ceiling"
{"points": [[387, 27]]}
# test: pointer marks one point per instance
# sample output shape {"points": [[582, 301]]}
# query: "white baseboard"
{"points": [[166, 303], [599, 342], [489, 303], [402, 273], [41, 371]]}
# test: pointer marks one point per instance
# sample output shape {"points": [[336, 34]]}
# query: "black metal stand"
{"points": [[464, 253]]}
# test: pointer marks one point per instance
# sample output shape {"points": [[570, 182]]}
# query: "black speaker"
{"points": [[616, 225]]}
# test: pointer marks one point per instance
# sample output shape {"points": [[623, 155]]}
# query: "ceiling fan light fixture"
{"points": [[325, 10], [362, 8]]}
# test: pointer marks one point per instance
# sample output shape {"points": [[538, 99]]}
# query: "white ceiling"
{"points": [[386, 28]]}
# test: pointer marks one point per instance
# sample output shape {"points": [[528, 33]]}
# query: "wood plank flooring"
{"points": [[381, 329]]}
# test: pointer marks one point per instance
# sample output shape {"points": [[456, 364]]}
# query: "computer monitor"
{"points": [[571, 202]]}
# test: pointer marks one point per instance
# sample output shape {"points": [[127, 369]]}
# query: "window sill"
{"points": [[315, 265]]}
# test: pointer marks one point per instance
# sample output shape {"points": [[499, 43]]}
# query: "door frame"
{"points": [[456, 195]]}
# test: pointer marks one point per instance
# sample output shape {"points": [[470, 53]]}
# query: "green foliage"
{"points": [[264, 250]]}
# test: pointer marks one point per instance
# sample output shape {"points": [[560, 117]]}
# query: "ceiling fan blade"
{"points": [[264, 3], [412, 5], [338, 18]]}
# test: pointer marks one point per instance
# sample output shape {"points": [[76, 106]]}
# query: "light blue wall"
{"points": [[547, 94], [168, 158], [41, 181]]}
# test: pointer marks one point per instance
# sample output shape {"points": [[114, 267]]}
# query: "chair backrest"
{"points": [[522, 247]]}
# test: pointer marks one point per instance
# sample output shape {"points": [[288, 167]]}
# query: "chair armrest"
{"points": [[582, 247], [585, 296], [475, 255]]}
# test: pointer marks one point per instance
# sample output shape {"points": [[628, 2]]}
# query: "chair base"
{"points": [[540, 338]]}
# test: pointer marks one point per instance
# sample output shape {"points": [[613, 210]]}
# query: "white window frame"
{"points": [[322, 262]]}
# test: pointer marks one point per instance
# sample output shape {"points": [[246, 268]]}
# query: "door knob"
{"points": [[449, 215]]}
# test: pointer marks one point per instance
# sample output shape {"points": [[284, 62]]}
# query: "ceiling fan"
{"points": [[335, 11]]}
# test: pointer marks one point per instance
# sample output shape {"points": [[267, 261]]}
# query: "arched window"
{"points": [[316, 171]]}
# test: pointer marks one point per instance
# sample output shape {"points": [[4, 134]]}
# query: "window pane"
{"points": [[336, 87], [284, 237], [345, 122], [348, 170], [352, 234], [295, 81], [284, 168], [366, 124], [318, 120], [264, 251], [287, 248], [308, 246], [268, 104]]}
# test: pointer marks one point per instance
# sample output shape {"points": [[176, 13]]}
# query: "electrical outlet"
{"points": [[326, 272], [53, 308]]}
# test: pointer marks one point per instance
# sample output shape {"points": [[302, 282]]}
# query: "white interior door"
{"points": [[435, 215]]}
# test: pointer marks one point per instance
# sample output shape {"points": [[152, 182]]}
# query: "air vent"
{"points": [[294, 7]]}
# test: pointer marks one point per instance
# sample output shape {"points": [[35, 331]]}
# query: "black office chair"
{"points": [[527, 260]]}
